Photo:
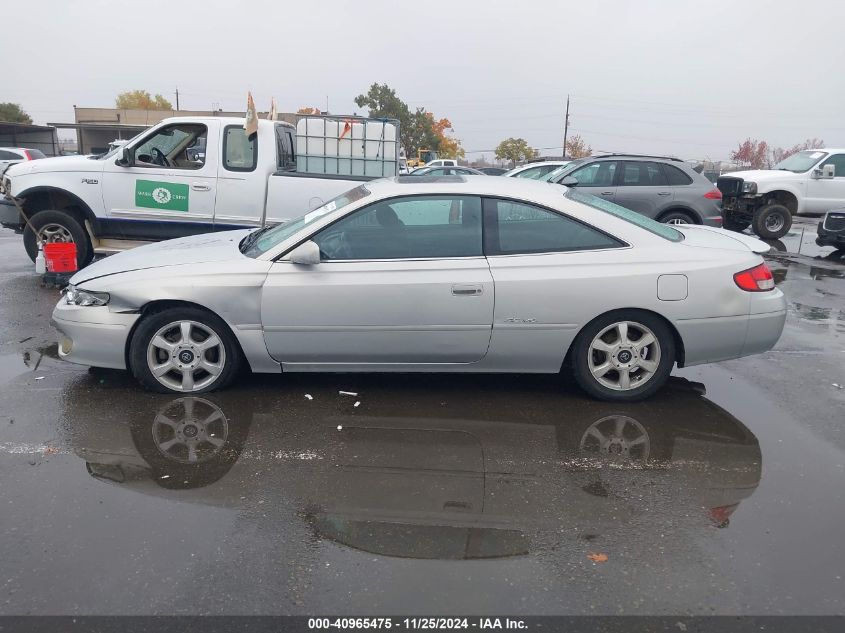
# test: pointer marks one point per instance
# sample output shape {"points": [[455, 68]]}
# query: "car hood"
{"points": [[712, 237], [762, 175], [196, 249], [55, 164]]}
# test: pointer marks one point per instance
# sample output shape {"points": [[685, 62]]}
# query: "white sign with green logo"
{"points": [[153, 194]]}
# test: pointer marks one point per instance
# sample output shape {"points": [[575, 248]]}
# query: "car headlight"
{"points": [[78, 297], [749, 187]]}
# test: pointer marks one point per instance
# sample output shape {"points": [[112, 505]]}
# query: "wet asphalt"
{"points": [[427, 494]]}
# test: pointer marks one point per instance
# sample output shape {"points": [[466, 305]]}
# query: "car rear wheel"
{"points": [[623, 355], [57, 226], [772, 222], [183, 350], [677, 217]]}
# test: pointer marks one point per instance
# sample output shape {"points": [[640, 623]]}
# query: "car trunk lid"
{"points": [[712, 237]]}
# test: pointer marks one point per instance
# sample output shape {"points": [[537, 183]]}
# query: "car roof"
{"points": [[230, 120]]}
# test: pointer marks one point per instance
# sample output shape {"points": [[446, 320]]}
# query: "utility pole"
{"points": [[177, 99], [566, 126]]}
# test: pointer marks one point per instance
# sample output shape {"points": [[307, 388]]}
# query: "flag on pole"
{"points": [[272, 114], [251, 121]]}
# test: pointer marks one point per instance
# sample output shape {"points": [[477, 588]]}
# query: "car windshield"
{"points": [[801, 162], [259, 242], [663, 230], [555, 175]]}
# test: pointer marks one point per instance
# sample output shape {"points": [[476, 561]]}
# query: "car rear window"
{"points": [[663, 230], [36, 153]]}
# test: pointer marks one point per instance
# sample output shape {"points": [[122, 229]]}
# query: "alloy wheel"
{"points": [[617, 437], [186, 356], [190, 430], [624, 356], [55, 233]]}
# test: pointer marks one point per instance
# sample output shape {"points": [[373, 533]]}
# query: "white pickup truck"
{"points": [[159, 186], [811, 181]]}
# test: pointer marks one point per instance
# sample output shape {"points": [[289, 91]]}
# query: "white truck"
{"points": [[809, 182], [157, 186]]}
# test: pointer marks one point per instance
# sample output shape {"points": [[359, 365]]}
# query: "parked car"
{"points": [[812, 181], [492, 171], [14, 155], [831, 231], [665, 189], [442, 162], [536, 171], [471, 274], [446, 171], [157, 187]]}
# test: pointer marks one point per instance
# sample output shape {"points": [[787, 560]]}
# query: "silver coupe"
{"points": [[441, 274]]}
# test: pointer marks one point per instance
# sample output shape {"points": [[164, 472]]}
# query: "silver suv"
{"points": [[665, 189]]}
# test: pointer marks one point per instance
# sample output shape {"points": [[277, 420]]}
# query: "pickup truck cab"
{"points": [[184, 176], [809, 182]]}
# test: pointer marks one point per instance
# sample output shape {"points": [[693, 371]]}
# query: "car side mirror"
{"points": [[828, 171], [568, 181], [125, 159], [307, 254]]}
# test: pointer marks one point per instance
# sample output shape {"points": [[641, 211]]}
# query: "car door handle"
{"points": [[664, 193], [198, 186], [606, 193], [466, 290]]}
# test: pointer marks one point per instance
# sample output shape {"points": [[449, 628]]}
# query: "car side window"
{"points": [[240, 152], [535, 173], [520, 228], [6, 155], [284, 148], [675, 176], [838, 162], [412, 227], [169, 146], [642, 174], [598, 174]]}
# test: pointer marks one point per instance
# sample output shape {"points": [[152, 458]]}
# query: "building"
{"points": [[40, 137], [97, 127]]}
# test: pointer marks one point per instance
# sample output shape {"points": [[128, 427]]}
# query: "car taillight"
{"points": [[757, 279], [713, 194], [721, 516]]}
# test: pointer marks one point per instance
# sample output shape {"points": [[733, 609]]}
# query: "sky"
{"points": [[690, 79]]}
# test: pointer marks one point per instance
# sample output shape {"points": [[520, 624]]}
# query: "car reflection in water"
{"points": [[465, 473]]}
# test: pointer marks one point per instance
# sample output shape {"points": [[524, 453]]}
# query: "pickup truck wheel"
{"points": [[57, 226], [772, 222], [183, 350], [731, 224], [624, 355]]}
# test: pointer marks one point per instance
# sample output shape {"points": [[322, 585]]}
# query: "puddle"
{"points": [[14, 365]]}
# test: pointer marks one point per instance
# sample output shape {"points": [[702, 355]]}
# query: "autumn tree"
{"points": [[514, 150], [753, 153], [418, 129], [141, 100], [576, 147], [13, 113]]}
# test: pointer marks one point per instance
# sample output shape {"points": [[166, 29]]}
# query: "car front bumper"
{"points": [[93, 336]]}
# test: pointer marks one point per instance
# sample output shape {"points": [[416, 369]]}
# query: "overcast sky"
{"points": [[686, 78]]}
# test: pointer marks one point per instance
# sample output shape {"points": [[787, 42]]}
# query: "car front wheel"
{"points": [[623, 355], [772, 222], [183, 350]]}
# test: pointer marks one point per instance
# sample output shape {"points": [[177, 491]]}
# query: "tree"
{"points": [[418, 129], [753, 153], [13, 113], [576, 147], [514, 150], [141, 100], [778, 153]]}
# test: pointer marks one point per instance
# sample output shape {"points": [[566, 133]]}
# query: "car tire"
{"points": [[731, 224], [772, 222], [677, 217], [57, 226], [173, 351], [604, 353]]}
